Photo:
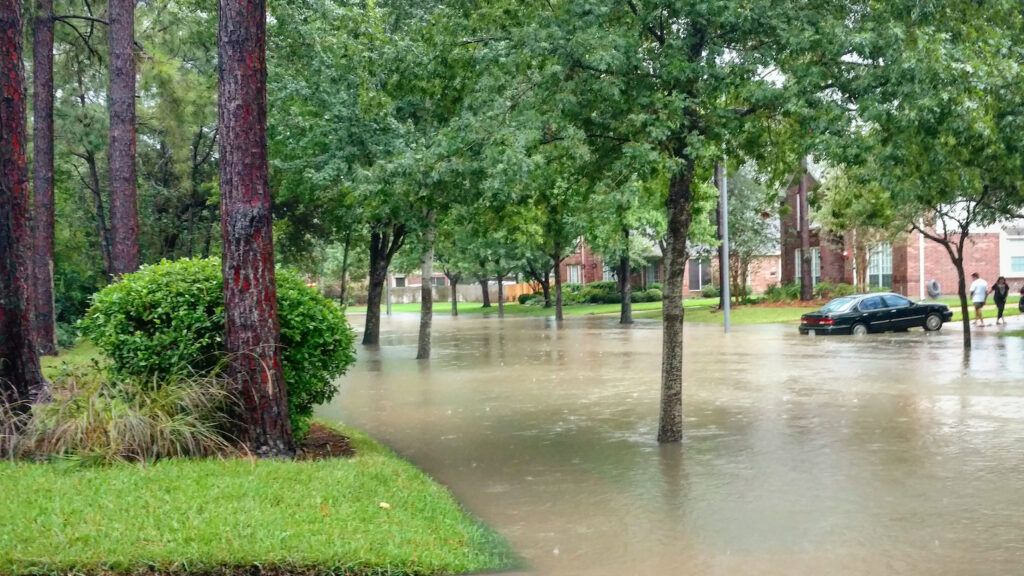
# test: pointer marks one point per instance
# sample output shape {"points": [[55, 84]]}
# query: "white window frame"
{"points": [[574, 274]]}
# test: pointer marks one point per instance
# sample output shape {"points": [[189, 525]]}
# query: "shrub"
{"points": [[524, 298], [168, 319], [710, 291], [655, 286], [654, 295], [96, 420], [571, 288], [826, 290], [603, 292]]}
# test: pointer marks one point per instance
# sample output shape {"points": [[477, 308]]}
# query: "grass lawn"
{"points": [[370, 514]]}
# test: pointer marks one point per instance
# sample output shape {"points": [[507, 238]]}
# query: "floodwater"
{"points": [[888, 454]]}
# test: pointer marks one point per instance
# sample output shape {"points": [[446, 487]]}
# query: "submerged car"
{"points": [[867, 313]]}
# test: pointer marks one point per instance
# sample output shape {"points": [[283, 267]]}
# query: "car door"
{"points": [[902, 312], [874, 313]]}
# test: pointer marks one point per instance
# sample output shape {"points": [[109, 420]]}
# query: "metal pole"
{"points": [[723, 199], [920, 264]]}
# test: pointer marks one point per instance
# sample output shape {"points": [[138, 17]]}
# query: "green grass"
{"points": [[204, 516], [81, 355]]}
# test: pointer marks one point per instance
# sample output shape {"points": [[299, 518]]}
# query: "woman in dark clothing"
{"points": [[1000, 292]]}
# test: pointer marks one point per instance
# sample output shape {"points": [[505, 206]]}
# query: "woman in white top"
{"points": [[979, 293]]}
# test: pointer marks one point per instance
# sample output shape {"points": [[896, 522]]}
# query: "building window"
{"points": [[815, 265], [1017, 264], [880, 266], [437, 281], [399, 281], [700, 274], [574, 274], [653, 275]]}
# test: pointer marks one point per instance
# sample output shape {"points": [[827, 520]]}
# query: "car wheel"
{"points": [[860, 329], [933, 322]]}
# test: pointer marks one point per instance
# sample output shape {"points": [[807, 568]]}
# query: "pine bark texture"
{"points": [[42, 181], [20, 378], [678, 207], [252, 334], [124, 216], [426, 292]]}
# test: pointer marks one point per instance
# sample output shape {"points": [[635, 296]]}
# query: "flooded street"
{"points": [[889, 454]]}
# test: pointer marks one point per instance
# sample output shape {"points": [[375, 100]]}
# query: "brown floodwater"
{"points": [[889, 454]]}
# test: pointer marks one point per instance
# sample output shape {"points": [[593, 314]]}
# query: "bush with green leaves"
{"points": [[826, 290], [710, 291], [603, 292], [524, 298], [655, 286], [167, 319]]}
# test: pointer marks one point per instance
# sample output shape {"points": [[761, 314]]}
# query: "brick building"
{"points": [[992, 252]]}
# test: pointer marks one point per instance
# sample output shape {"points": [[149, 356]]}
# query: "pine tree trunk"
{"points": [[252, 334], [102, 229], [124, 216], [558, 287], [21, 381], [426, 292], [486, 292], [678, 207], [625, 290], [42, 168]]}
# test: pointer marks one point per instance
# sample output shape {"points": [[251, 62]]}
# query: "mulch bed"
{"points": [[322, 443]]}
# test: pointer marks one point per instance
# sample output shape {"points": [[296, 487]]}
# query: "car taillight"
{"points": [[827, 322]]}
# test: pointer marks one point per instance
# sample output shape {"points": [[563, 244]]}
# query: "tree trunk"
{"points": [[965, 310], [545, 286], [21, 381], [558, 287], [501, 296], [378, 276], [678, 208], [102, 229], [806, 273], [252, 332], [343, 296], [42, 164], [454, 281], [486, 292], [426, 291], [625, 289], [124, 216]]}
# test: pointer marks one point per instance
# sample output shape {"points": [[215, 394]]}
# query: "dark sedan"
{"points": [[867, 313]]}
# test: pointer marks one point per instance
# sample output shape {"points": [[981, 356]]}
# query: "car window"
{"points": [[872, 303], [896, 301], [838, 305]]}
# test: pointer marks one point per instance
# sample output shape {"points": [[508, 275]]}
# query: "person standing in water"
{"points": [[1000, 292], [979, 293]]}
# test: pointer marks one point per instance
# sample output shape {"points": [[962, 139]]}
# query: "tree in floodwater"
{"points": [[124, 213], [20, 378], [672, 86], [252, 332]]}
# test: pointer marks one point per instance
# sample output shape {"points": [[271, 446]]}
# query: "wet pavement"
{"points": [[890, 454]]}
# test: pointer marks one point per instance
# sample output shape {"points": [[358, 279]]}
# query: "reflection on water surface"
{"points": [[884, 455]]}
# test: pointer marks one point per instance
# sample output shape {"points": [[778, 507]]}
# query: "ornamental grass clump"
{"points": [[167, 320], [93, 419]]}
